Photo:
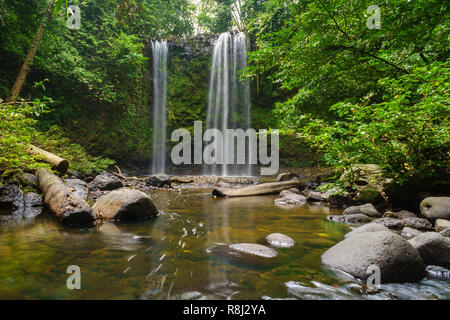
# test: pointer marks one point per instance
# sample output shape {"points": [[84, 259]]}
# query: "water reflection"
{"points": [[168, 257]]}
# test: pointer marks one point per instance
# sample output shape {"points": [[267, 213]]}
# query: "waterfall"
{"points": [[229, 98], [160, 52]]}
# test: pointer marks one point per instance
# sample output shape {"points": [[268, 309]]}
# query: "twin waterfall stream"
{"points": [[229, 104]]}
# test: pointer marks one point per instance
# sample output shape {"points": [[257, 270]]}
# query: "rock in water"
{"points": [[396, 258], [292, 199], [436, 208], [286, 177], [159, 181], [437, 271], [350, 219], [280, 240], [433, 247], [79, 187], [105, 181], [11, 200], [368, 209], [254, 249], [370, 227], [125, 204]]}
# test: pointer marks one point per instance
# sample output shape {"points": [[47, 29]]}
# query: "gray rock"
{"points": [[441, 224], [12, 200], [280, 240], [436, 208], [370, 227], [396, 258], [291, 199], [445, 233], [159, 181], [433, 247], [390, 223], [405, 214], [254, 249], [105, 181], [350, 219], [286, 177], [315, 196], [30, 179], [125, 204], [368, 209], [79, 187], [438, 271], [417, 223], [34, 205], [410, 233]]}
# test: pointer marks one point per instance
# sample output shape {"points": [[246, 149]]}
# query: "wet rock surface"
{"points": [[79, 187], [398, 260], [370, 227], [279, 240], [254, 249], [292, 199], [14, 204], [159, 181], [410, 233], [390, 223]]}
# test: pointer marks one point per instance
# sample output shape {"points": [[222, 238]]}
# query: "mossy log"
{"points": [[63, 203], [58, 163], [257, 190]]}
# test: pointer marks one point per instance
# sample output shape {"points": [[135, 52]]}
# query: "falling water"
{"points": [[160, 52], [229, 98]]}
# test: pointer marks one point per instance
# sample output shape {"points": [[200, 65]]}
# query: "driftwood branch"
{"points": [[58, 163], [63, 203], [258, 190], [120, 175]]}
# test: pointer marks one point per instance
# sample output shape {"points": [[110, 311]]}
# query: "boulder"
{"points": [[11, 200], [286, 177], [370, 227], [436, 208], [34, 205], [390, 223], [410, 233], [315, 196], [289, 191], [280, 240], [368, 209], [445, 233], [124, 204], [160, 181], [254, 249], [399, 215], [417, 223], [396, 258], [441, 224], [79, 187], [105, 181], [365, 176], [291, 199], [433, 247], [350, 219], [29, 179]]}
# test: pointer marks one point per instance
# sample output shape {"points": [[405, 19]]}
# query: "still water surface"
{"points": [[169, 257]]}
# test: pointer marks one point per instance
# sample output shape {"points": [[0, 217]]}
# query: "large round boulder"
{"points": [[433, 247], [125, 204], [436, 208], [397, 259]]}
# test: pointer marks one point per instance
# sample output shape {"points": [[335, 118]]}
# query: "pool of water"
{"points": [[169, 257]]}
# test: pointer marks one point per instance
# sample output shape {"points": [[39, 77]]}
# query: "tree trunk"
{"points": [[59, 164], [65, 205], [15, 91], [258, 190]]}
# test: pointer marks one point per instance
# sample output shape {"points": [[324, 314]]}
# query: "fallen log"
{"points": [[63, 203], [258, 190], [58, 163]]}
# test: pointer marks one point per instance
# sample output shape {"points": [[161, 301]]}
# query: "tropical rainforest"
{"points": [[346, 82]]}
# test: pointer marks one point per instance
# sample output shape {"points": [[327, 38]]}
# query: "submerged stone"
{"points": [[254, 249]]}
